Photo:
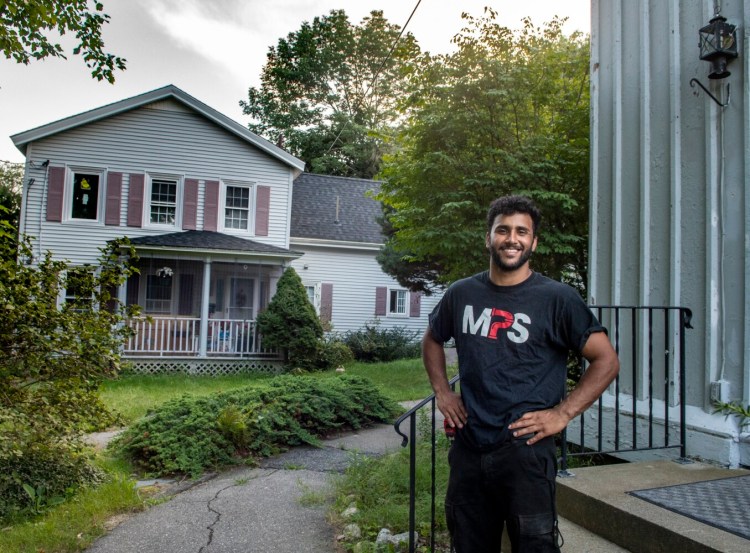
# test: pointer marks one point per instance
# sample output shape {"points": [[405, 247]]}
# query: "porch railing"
{"points": [[180, 336], [645, 410]]}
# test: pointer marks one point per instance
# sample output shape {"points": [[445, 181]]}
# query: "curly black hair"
{"points": [[509, 205]]}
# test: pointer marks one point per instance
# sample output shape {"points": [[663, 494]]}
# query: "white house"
{"points": [[209, 207]]}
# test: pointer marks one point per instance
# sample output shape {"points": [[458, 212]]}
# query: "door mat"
{"points": [[720, 503]]}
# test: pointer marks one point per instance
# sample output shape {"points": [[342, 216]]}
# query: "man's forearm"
{"points": [[433, 357], [594, 381], [449, 403]]}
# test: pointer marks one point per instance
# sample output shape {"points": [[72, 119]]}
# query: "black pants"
{"points": [[511, 486]]}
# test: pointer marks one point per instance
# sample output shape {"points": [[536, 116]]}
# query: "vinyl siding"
{"points": [[355, 275], [172, 141]]}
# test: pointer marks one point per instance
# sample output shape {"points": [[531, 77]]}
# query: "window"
{"points": [[85, 196], [163, 207], [236, 203], [310, 294], [237, 207], [159, 293], [397, 302], [314, 296]]}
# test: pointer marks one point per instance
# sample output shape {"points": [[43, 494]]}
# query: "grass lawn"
{"points": [[73, 526], [134, 395]]}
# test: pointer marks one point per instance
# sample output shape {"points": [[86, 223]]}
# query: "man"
{"points": [[513, 330]]}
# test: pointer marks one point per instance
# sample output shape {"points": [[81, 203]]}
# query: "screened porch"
{"points": [[199, 308]]}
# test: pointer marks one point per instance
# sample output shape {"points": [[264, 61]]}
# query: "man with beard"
{"points": [[513, 330]]}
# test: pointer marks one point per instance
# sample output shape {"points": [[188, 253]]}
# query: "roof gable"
{"points": [[335, 208], [170, 92]]}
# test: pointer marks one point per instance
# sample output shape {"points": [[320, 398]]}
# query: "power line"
{"points": [[377, 74]]}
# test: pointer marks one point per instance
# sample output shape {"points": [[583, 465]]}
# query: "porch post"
{"points": [[205, 295], [122, 294]]}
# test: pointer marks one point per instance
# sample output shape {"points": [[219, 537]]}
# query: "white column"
{"points": [[205, 296]]}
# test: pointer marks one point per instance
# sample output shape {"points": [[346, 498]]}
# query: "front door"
{"points": [[241, 295]]}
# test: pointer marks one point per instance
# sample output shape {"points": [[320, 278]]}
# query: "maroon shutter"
{"points": [[415, 304], [262, 206], [381, 297], [114, 199], [55, 192], [326, 302], [190, 205], [135, 201], [211, 206]]}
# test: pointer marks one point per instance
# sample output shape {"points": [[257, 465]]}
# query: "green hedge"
{"points": [[190, 435], [374, 344]]}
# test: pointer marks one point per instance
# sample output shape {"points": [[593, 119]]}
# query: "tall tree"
{"points": [[26, 26], [11, 183], [508, 112], [330, 92]]}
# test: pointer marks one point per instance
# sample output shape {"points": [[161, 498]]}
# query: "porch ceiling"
{"points": [[208, 243]]}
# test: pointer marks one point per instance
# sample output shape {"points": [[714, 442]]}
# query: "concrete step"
{"points": [[577, 539], [596, 498]]}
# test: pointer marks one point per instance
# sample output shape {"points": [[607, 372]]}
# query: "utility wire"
{"points": [[377, 74]]}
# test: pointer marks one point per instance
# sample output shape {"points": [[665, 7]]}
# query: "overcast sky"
{"points": [[215, 49]]}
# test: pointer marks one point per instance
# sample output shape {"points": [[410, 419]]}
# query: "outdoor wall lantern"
{"points": [[718, 44]]}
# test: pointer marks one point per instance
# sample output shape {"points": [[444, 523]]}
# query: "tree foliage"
{"points": [[330, 92], [11, 184], [508, 112], [28, 25], [52, 359]]}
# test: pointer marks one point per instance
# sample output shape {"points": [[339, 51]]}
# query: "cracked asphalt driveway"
{"points": [[250, 510]]}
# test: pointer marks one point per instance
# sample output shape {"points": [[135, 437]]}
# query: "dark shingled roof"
{"points": [[314, 209], [207, 240]]}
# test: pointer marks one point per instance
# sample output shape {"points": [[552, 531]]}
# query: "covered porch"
{"points": [[200, 293]]}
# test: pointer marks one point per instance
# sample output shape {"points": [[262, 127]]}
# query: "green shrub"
{"points": [[372, 343], [290, 323], [43, 473], [190, 435], [52, 360], [331, 354]]}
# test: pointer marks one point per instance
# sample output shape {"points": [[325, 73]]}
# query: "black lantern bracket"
{"points": [[695, 81]]}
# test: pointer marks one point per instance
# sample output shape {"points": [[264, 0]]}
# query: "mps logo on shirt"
{"points": [[491, 321]]}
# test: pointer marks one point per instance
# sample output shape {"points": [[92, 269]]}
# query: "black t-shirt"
{"points": [[512, 344]]}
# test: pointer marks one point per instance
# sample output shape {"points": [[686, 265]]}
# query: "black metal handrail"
{"points": [[643, 320]]}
